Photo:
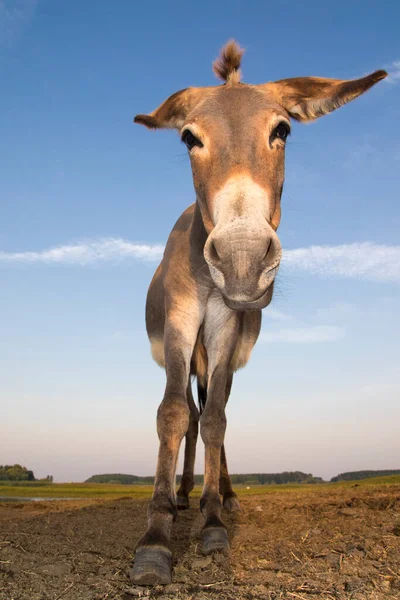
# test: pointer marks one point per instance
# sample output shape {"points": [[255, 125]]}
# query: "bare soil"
{"points": [[328, 543]]}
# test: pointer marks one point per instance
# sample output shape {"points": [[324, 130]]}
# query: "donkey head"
{"points": [[236, 134]]}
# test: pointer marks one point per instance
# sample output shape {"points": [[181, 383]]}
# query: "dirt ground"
{"points": [[328, 543]]}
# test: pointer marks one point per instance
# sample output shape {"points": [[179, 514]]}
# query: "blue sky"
{"points": [[87, 200]]}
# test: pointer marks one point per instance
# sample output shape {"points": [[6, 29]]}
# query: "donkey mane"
{"points": [[227, 65]]}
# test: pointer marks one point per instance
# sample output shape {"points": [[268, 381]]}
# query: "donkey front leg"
{"points": [[153, 558], [220, 344]]}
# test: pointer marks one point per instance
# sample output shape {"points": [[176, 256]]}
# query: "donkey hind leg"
{"points": [[229, 498], [213, 425], [153, 558], [187, 482]]}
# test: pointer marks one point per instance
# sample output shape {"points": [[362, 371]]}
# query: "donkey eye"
{"points": [[281, 131], [190, 140]]}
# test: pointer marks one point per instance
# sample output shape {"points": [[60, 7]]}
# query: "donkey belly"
{"points": [[155, 317]]}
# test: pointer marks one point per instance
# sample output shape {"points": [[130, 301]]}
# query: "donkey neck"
{"points": [[198, 233]]}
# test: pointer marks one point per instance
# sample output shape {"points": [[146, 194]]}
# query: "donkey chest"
{"points": [[218, 318]]}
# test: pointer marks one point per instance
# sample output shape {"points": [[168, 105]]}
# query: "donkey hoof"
{"points": [[215, 539], [152, 565], [232, 504], [182, 502]]}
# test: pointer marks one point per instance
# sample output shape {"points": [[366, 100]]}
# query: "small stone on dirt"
{"points": [[348, 512], [137, 592], [202, 563], [173, 588], [269, 565]]}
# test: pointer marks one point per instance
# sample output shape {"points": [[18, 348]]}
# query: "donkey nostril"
{"points": [[213, 253], [267, 250]]}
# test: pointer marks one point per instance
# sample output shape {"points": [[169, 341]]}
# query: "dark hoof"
{"points": [[182, 502], [232, 504], [152, 565], [215, 539]]}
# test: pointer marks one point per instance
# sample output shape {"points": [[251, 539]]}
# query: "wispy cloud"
{"points": [[86, 253], [304, 335], [394, 72], [367, 261]]}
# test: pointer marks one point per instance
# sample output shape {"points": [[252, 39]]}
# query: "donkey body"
{"points": [[203, 311]]}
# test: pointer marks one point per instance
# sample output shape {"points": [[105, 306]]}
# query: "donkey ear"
{"points": [[172, 113], [307, 98]]}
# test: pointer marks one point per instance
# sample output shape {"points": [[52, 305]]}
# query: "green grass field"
{"points": [[105, 490]]}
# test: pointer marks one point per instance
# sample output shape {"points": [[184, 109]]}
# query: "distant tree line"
{"points": [[120, 478], [275, 478], [15, 473], [354, 475], [19, 473], [244, 479]]}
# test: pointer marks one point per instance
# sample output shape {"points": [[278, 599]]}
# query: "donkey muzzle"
{"points": [[243, 262]]}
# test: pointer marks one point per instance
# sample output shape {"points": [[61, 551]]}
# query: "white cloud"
{"points": [[367, 261], [394, 72], [85, 253], [304, 335]]}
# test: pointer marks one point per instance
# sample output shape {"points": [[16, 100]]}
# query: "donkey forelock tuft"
{"points": [[227, 65]]}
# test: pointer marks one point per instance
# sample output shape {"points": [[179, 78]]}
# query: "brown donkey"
{"points": [[203, 311]]}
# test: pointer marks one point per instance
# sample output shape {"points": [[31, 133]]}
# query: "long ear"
{"points": [[307, 98], [172, 113]]}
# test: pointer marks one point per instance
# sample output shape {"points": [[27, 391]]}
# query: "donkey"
{"points": [[203, 310]]}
